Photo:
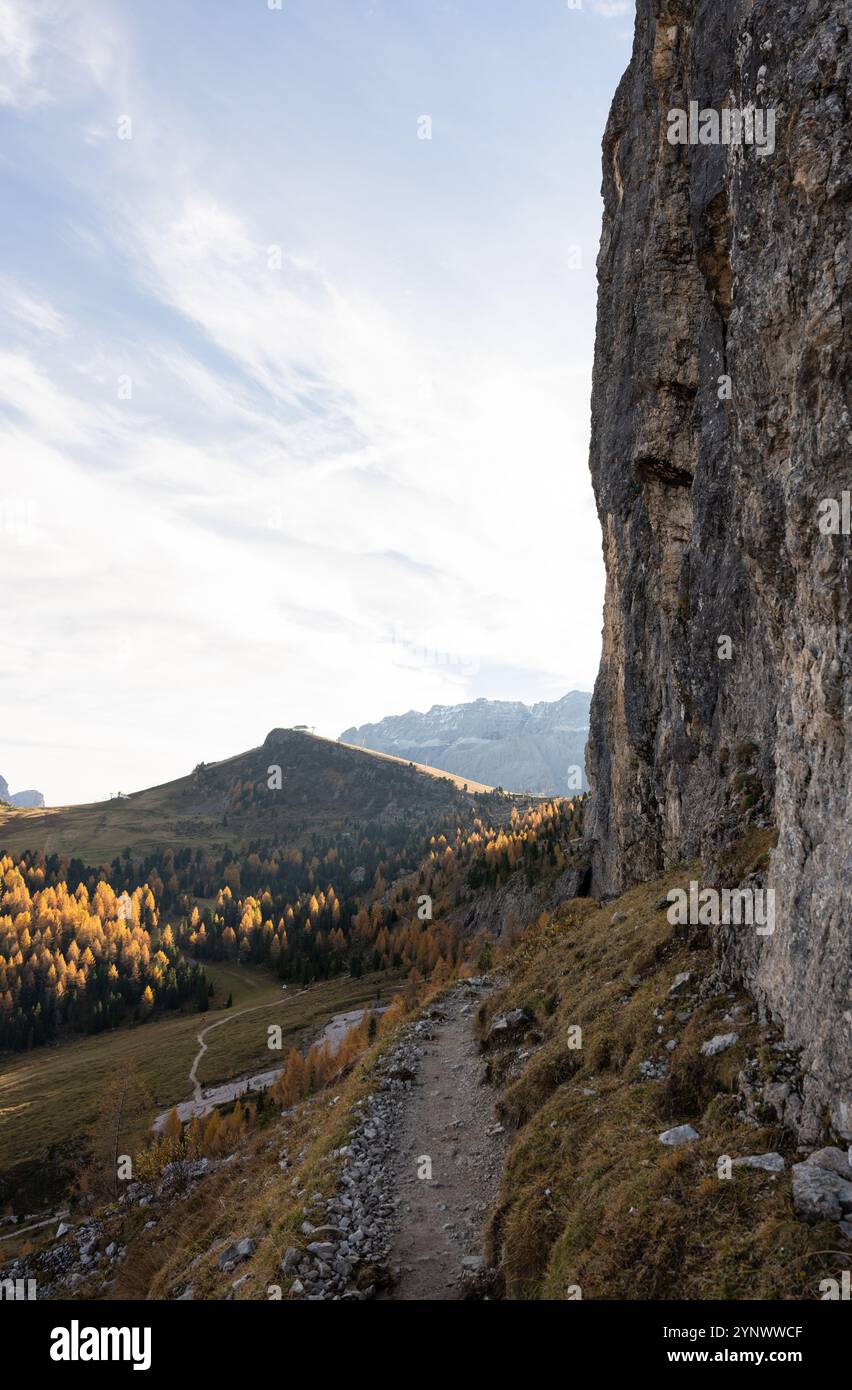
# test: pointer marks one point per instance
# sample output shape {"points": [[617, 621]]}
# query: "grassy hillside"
{"points": [[48, 1096], [460, 782], [591, 1198], [324, 786]]}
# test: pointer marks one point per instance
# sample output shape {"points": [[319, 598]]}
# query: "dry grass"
{"points": [[250, 1196], [48, 1096], [590, 1197], [328, 783]]}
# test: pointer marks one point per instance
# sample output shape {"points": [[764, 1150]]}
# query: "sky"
{"points": [[297, 312]]}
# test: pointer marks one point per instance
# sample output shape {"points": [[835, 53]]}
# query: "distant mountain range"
{"points": [[22, 800], [503, 743]]}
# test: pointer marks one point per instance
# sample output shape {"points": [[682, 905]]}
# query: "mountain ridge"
{"points": [[29, 799], [234, 800], [538, 748]]}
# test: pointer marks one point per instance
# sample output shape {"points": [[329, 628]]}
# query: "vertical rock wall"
{"points": [[721, 263]]}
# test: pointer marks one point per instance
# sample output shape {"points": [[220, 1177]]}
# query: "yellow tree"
{"points": [[121, 1110], [289, 1087]]}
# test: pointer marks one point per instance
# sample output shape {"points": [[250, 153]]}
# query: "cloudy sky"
{"points": [[296, 330]]}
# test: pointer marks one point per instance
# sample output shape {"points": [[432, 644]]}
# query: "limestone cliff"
{"points": [[503, 743], [719, 456], [25, 800]]}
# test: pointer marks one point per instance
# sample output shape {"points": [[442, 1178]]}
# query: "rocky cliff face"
{"points": [[720, 459], [503, 743]]}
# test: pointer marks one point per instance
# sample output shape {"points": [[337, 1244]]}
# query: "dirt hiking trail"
{"points": [[449, 1119]]}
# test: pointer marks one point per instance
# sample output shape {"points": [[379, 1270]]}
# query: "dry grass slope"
{"points": [[324, 784], [49, 1096], [590, 1198]]}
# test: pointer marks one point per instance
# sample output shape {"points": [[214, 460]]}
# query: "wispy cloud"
{"points": [[30, 309], [258, 477], [50, 49]]}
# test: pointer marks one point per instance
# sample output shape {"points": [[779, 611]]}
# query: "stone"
{"points": [[62, 1230], [679, 981], [236, 1253], [681, 1134], [769, 1163], [321, 1249], [776, 1095], [509, 1025], [819, 1194], [836, 1160], [400, 1072], [290, 1260], [720, 1043]]}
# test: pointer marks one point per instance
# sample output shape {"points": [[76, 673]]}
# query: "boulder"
{"points": [[236, 1253], [720, 1043], [770, 1163], [321, 1249], [679, 981], [776, 1094], [819, 1194], [836, 1160], [681, 1134], [510, 1025]]}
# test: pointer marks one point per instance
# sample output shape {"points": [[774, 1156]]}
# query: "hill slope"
{"points": [[323, 786], [504, 743]]}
